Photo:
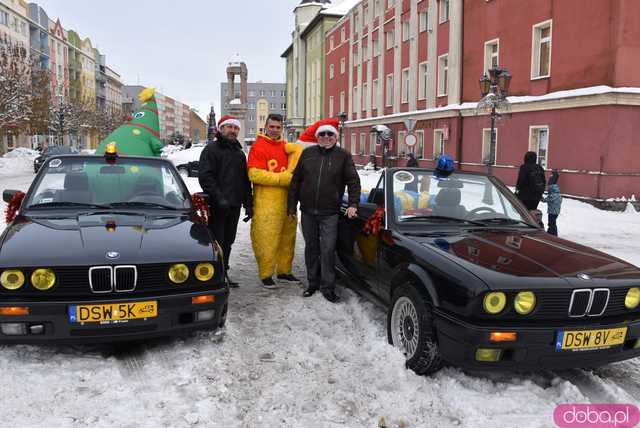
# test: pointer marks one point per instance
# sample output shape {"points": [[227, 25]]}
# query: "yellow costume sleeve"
{"points": [[268, 178], [294, 151]]}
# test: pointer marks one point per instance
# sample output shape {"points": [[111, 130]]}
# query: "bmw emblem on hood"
{"points": [[113, 255], [583, 276]]}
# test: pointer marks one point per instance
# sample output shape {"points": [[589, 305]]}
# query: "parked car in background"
{"points": [[467, 277], [187, 161], [52, 151]]}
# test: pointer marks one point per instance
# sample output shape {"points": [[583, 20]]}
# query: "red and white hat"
{"points": [[228, 120], [325, 125]]}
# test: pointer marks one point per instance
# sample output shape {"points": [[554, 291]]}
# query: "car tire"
{"points": [[410, 328], [184, 172]]}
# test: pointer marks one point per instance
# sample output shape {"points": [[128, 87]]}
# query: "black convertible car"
{"points": [[108, 248], [467, 277]]}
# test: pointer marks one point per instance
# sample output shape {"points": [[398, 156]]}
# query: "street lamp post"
{"points": [[343, 117], [494, 89]]}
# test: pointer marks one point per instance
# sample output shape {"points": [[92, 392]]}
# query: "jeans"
{"points": [[553, 228], [320, 236], [223, 223]]}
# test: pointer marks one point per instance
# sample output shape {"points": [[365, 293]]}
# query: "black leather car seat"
{"points": [[448, 204], [147, 186], [76, 188]]}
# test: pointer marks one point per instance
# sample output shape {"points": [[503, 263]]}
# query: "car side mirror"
{"points": [[7, 195]]}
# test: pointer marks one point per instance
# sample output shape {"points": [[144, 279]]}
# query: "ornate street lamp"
{"points": [[494, 89], [343, 117]]}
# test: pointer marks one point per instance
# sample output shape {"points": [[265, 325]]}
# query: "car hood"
{"points": [[76, 240], [497, 256]]}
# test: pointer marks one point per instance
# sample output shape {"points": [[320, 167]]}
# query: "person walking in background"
{"points": [[531, 181], [223, 176], [554, 203], [412, 162], [318, 183]]}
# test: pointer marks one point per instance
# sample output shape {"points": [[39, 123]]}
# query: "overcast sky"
{"points": [[182, 47]]}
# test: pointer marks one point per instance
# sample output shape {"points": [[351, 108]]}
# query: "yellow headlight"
{"points": [[43, 279], [204, 271], [525, 302], [12, 279], [494, 302], [179, 273], [633, 298]]}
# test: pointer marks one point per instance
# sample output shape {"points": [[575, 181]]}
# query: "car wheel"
{"points": [[410, 328], [184, 172]]}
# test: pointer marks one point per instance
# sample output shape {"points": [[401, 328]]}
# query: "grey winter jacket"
{"points": [[554, 199]]}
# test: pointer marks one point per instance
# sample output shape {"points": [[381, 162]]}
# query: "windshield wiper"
{"points": [[142, 204], [503, 220], [67, 204], [441, 217]]}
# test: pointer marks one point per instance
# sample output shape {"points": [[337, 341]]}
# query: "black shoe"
{"points": [[331, 296], [309, 292], [232, 284], [268, 283], [288, 277]]}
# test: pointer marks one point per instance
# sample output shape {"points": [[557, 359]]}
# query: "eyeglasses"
{"points": [[326, 134]]}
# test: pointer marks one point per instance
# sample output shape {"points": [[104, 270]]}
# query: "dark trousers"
{"points": [[320, 236], [223, 223], [553, 228], [531, 204]]}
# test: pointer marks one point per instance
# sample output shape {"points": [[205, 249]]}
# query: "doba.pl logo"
{"points": [[596, 415]]}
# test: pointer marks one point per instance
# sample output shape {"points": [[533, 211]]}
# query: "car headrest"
{"points": [[448, 197], [76, 181]]}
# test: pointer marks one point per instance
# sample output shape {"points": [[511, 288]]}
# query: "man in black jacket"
{"points": [[531, 181], [223, 176], [318, 184]]}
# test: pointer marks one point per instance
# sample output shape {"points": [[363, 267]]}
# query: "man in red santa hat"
{"points": [[318, 183]]}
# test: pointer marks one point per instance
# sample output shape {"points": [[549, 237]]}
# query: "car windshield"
{"points": [[93, 183], [460, 198]]}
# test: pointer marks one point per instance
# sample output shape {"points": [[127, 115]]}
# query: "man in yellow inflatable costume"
{"points": [[273, 234]]}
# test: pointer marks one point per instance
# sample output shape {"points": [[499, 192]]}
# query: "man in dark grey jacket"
{"points": [[318, 183]]}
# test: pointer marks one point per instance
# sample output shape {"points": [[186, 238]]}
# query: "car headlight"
{"points": [[494, 302], [178, 273], [43, 279], [524, 302], [204, 271], [633, 298], [12, 279]]}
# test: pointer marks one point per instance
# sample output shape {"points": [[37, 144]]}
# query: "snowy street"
{"points": [[287, 361]]}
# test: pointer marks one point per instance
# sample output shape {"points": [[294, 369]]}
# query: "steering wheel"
{"points": [[479, 210]]}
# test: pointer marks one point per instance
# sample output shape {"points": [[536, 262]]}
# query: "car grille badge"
{"points": [[584, 276], [113, 255]]}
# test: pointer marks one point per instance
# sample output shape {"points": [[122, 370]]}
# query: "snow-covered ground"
{"points": [[287, 361]]}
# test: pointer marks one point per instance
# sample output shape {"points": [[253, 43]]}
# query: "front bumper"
{"points": [[176, 314], [535, 347]]}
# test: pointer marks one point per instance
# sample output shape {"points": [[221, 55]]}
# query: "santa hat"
{"points": [[330, 125], [228, 120]]}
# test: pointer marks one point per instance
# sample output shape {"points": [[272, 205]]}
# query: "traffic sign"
{"points": [[410, 140]]}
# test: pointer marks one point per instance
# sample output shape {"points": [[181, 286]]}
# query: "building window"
{"points": [[422, 21], [390, 3], [539, 143], [375, 94], [376, 8], [365, 14], [331, 43], [283, 106], [4, 18], [489, 146], [444, 11], [438, 143], [283, 94], [356, 107], [402, 146], [342, 102], [541, 61], [419, 149], [390, 38], [376, 47], [343, 65], [365, 96], [405, 85], [356, 58], [330, 106], [343, 34], [443, 74], [405, 30], [389, 93], [356, 25], [491, 54], [372, 144], [422, 81], [363, 143], [354, 143], [331, 71]]}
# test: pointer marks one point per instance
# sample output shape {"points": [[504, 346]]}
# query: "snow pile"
{"points": [[170, 149], [17, 161], [88, 151], [22, 152], [185, 156]]}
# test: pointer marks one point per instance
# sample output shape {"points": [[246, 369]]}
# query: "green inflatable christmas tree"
{"points": [[140, 136]]}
